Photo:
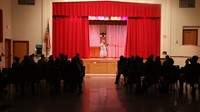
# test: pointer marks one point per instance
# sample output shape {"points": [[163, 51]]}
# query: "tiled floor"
{"points": [[101, 95]]}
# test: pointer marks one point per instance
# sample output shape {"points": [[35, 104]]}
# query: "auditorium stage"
{"points": [[101, 65]]}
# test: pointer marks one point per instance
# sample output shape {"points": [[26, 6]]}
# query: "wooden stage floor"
{"points": [[101, 65]]}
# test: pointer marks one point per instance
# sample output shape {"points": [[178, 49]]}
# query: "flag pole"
{"points": [[47, 38]]}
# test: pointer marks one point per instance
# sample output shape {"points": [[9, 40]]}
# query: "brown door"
{"points": [[20, 49], [7, 53], [190, 36]]}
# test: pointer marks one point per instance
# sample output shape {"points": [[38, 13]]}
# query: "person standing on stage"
{"points": [[103, 49]]}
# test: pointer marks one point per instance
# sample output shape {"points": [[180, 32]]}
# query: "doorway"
{"points": [[7, 53], [190, 37], [20, 49]]}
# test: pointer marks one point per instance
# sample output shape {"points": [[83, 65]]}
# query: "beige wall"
{"points": [[29, 23], [6, 7], [183, 17]]}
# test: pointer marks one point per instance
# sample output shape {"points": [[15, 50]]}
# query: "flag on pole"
{"points": [[47, 38]]}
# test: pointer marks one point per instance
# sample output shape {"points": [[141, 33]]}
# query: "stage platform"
{"points": [[101, 65]]}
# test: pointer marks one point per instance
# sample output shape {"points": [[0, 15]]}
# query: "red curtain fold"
{"points": [[71, 36], [143, 37], [105, 8]]}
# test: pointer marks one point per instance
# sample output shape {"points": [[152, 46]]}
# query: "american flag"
{"points": [[47, 38]]}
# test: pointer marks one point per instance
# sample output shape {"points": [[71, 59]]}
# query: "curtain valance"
{"points": [[106, 8]]}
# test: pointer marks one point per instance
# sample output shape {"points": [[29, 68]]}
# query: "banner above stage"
{"points": [[106, 8]]}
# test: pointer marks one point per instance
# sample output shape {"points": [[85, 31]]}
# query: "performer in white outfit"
{"points": [[103, 49]]}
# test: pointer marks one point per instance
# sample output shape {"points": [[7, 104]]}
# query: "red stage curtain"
{"points": [[143, 37], [1, 26], [71, 36], [105, 8]]}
